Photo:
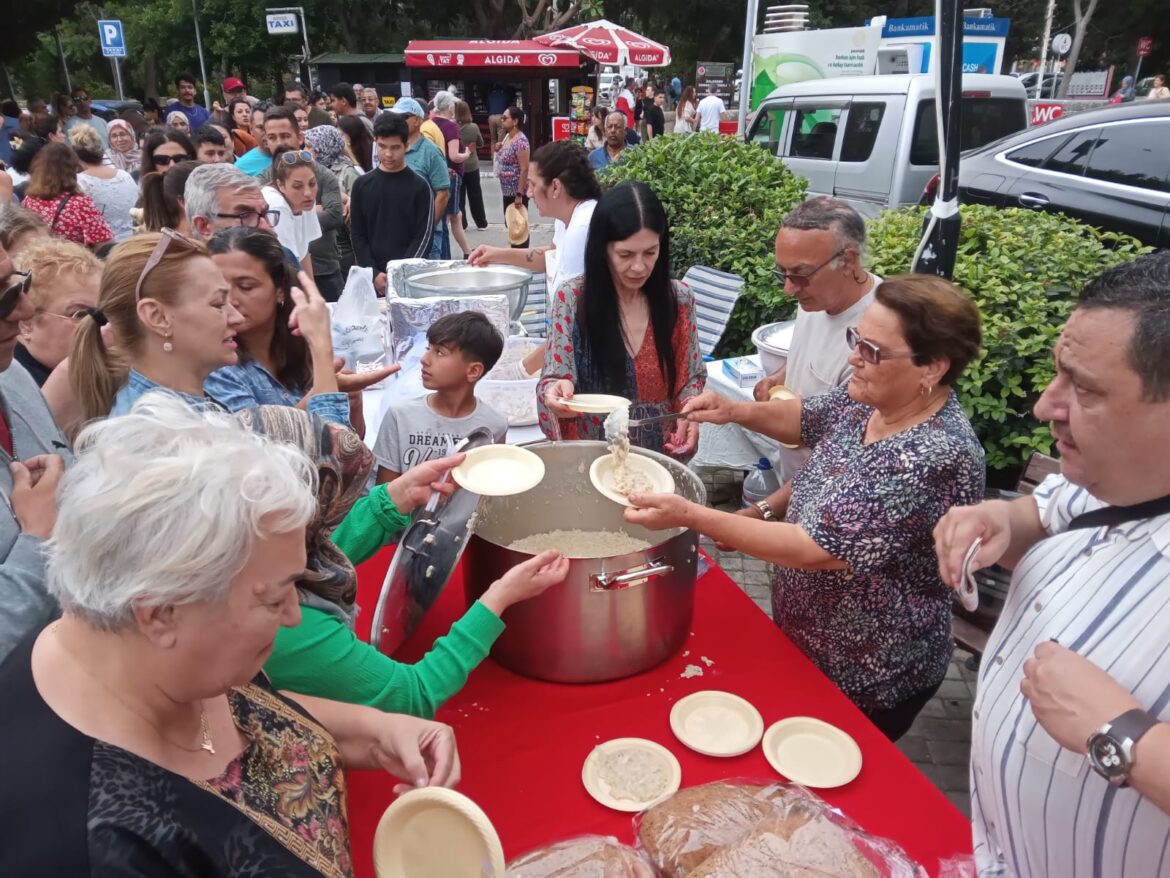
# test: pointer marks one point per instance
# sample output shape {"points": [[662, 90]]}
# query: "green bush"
{"points": [[1024, 270], [725, 200]]}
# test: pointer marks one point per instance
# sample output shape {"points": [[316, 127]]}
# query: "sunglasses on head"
{"points": [[871, 353], [167, 237], [164, 160], [296, 157], [11, 294]]}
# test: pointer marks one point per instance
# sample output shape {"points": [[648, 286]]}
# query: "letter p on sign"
{"points": [[112, 38]]}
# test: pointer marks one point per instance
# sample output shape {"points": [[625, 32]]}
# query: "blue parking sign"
{"points": [[113, 40]]}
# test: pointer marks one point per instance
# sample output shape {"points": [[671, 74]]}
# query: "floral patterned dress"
{"points": [[645, 384], [880, 629], [79, 221], [76, 805], [508, 163]]}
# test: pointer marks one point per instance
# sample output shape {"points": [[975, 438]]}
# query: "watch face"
{"points": [[1107, 757]]}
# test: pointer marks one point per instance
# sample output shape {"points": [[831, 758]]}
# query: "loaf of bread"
{"points": [[586, 857], [786, 848], [696, 823]]}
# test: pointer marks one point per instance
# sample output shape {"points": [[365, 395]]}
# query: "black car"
{"points": [[1107, 167]]}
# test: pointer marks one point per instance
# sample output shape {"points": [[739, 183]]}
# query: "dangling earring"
{"points": [[167, 346], [926, 390]]}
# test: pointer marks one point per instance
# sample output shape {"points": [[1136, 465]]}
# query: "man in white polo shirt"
{"points": [[1070, 754]]}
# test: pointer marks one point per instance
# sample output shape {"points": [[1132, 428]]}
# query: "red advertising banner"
{"points": [[562, 128], [487, 53], [1145, 46]]}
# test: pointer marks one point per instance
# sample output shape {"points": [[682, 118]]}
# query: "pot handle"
{"points": [[628, 578]]}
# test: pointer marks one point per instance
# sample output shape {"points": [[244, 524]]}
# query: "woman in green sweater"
{"points": [[322, 656]]}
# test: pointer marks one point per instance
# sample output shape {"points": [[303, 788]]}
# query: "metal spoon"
{"points": [[968, 588]]}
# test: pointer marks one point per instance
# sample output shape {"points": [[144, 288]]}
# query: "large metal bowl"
{"points": [[470, 281], [773, 341], [611, 617]]}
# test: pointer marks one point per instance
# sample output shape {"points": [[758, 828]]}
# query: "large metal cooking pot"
{"points": [[470, 281], [613, 616]]}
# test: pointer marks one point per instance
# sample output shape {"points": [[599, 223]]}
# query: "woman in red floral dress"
{"points": [[54, 195], [624, 328]]}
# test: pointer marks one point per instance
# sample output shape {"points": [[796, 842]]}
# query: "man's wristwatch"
{"points": [[1110, 748], [765, 510]]}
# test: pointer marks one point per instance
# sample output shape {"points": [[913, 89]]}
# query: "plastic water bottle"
{"points": [[761, 483]]}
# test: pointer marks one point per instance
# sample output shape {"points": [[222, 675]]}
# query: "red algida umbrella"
{"points": [[609, 43]]}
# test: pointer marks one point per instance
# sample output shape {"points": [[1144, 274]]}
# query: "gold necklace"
{"points": [[206, 744]]}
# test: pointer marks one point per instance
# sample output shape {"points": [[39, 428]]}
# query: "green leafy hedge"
{"points": [[1024, 270], [725, 200]]}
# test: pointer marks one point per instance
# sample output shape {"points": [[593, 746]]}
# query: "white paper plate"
{"points": [[811, 752], [499, 470], [436, 833], [716, 723], [601, 474], [599, 790], [595, 403]]}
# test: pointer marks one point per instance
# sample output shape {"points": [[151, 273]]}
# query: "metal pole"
{"points": [[749, 31], [199, 47], [305, 36], [64, 66], [1137, 74], [1044, 48], [118, 78]]}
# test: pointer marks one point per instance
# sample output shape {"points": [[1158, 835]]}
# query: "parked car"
{"points": [[871, 140], [110, 110], [1051, 83], [1108, 167]]}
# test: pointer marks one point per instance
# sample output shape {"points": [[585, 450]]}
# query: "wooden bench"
{"points": [[971, 630]]}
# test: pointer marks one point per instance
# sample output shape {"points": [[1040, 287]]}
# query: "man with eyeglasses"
{"points": [[221, 196], [83, 115], [819, 251], [35, 453]]}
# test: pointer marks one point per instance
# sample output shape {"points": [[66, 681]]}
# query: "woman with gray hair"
{"points": [[139, 727]]}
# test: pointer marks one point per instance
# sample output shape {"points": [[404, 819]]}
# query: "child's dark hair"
{"points": [[471, 334]]}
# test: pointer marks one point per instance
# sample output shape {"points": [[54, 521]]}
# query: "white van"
{"points": [[871, 140]]}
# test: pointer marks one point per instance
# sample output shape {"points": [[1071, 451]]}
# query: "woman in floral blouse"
{"points": [[53, 193], [624, 328], [856, 583], [512, 161]]}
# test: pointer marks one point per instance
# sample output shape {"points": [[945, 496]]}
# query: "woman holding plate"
{"points": [[856, 583], [624, 328]]}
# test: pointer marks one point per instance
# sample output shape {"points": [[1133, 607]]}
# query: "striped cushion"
{"points": [[715, 295]]}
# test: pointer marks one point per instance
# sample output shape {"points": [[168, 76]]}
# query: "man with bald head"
{"points": [[612, 151]]}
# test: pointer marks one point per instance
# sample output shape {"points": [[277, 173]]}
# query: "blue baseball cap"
{"points": [[408, 107]]}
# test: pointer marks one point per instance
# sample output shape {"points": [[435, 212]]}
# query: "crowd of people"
{"points": [[189, 487]]}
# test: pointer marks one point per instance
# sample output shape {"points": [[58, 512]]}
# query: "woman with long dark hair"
{"points": [[276, 367], [239, 124], [626, 293], [161, 203], [163, 148], [687, 112], [361, 144]]}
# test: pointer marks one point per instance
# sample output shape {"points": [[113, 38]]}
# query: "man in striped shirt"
{"points": [[1070, 755]]}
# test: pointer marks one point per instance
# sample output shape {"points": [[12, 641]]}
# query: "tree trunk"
{"points": [[150, 75], [1083, 15]]}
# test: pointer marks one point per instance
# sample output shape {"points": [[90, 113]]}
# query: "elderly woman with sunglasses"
{"points": [[140, 734], [856, 583], [169, 307]]}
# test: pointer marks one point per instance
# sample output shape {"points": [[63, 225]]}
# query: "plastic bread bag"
{"points": [[589, 856], [358, 323], [751, 829]]}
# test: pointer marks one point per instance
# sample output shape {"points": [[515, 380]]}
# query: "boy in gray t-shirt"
{"points": [[461, 349]]}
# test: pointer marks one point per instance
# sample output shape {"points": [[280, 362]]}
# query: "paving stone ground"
{"points": [[939, 742]]}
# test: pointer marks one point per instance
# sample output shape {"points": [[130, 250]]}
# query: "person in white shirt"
{"points": [[293, 195], [565, 188], [1070, 753], [711, 110], [819, 253]]}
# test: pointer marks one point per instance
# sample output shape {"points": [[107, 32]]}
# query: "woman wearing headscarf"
{"points": [[322, 655], [328, 147], [124, 153]]}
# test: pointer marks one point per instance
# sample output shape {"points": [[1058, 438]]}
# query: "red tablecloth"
{"points": [[522, 742]]}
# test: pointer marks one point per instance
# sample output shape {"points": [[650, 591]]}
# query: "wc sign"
{"points": [[282, 22], [112, 38]]}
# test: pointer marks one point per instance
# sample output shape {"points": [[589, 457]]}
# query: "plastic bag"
{"points": [[590, 856], [745, 829], [359, 327]]}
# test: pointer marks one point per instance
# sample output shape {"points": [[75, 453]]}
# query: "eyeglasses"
{"points": [[163, 160], [252, 218], [81, 98], [296, 157], [156, 255], [782, 275], [75, 317], [12, 294], [871, 353]]}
